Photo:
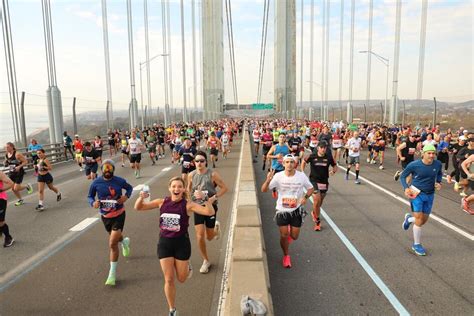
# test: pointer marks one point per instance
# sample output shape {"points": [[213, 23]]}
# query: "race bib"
{"points": [[289, 201], [170, 222], [313, 143], [411, 151], [337, 142], [186, 164], [294, 147], [12, 168], [322, 186], [108, 205]]}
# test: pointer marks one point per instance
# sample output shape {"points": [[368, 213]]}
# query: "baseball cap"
{"points": [[289, 156], [465, 131], [462, 137], [429, 147]]}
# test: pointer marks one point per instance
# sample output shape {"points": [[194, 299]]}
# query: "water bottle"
{"points": [[146, 189]]}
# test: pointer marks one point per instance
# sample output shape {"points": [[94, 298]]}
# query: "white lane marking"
{"points": [[399, 198], [230, 239], [82, 225], [368, 269], [138, 187], [166, 169]]}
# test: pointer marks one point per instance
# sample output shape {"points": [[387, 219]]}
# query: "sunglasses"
{"points": [[199, 160]]}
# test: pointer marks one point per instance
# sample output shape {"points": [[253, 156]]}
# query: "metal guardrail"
{"points": [[54, 152]]}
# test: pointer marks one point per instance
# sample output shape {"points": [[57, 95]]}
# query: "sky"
{"points": [[77, 29]]}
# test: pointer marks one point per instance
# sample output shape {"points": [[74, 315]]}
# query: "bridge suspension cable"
{"points": [[266, 7]]}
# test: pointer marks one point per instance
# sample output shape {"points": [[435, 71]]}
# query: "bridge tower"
{"points": [[212, 58], [285, 57]]}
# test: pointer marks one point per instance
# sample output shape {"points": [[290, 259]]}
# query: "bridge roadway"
{"points": [[327, 279], [68, 268], [53, 271]]}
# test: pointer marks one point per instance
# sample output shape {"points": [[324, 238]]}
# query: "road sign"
{"points": [[262, 106]]}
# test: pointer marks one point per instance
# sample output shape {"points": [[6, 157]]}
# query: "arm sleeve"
{"points": [[92, 193], [406, 172]]}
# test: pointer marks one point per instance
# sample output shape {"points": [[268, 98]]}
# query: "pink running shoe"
{"points": [[286, 262]]}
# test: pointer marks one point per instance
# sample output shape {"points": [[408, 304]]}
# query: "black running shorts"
{"points": [[114, 223], [178, 248], [46, 178], [17, 177], [293, 218], [135, 158], [209, 221]]}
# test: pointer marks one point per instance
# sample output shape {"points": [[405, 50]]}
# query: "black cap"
{"points": [[87, 144]]}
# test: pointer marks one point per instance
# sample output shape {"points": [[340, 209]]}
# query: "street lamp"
{"points": [[386, 62], [142, 64]]}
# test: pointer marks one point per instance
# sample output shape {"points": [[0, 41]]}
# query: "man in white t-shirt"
{"points": [[354, 146], [135, 149], [290, 185]]}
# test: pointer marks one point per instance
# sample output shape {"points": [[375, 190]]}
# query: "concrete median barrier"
{"points": [[248, 273]]}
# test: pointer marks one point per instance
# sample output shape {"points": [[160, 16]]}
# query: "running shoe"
{"points": [[274, 194], [397, 175], [317, 226], [286, 262], [190, 270], [381, 167], [456, 186], [463, 194], [81, 169], [465, 206], [173, 312], [217, 230], [29, 188], [110, 280], [368, 160], [373, 162], [406, 223], [40, 208], [418, 249], [126, 247], [58, 197], [449, 179], [213, 165], [8, 242], [357, 181], [19, 202], [205, 267]]}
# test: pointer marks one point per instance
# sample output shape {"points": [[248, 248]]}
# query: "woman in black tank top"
{"points": [[15, 162]]}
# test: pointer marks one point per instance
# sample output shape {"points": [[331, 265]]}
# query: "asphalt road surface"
{"points": [[54, 271]]}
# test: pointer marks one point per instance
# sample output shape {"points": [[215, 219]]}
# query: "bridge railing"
{"points": [[54, 152]]}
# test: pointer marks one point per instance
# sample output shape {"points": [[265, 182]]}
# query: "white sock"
{"points": [[417, 234], [40, 202], [113, 268], [411, 220]]}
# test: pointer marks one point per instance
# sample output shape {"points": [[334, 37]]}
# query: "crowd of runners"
{"points": [[424, 154], [286, 147]]}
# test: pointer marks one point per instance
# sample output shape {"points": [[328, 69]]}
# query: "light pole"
{"points": [[386, 62], [142, 64]]}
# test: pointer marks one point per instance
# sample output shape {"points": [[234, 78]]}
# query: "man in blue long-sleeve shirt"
{"points": [[110, 203], [426, 178]]}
